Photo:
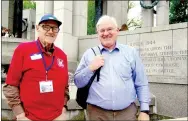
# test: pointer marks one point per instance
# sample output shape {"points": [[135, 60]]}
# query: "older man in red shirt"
{"points": [[37, 80]]}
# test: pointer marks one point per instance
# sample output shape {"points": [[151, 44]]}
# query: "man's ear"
{"points": [[117, 29], [37, 28]]}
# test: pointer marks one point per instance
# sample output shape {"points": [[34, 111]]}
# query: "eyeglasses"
{"points": [[47, 28], [109, 30]]}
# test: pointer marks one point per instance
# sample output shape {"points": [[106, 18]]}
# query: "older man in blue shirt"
{"points": [[122, 78]]}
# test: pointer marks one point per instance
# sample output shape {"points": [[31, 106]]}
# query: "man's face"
{"points": [[107, 33], [47, 31]]}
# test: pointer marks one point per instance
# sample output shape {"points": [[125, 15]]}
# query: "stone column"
{"points": [[43, 7], [63, 10], [147, 15], [118, 9], [49, 7], [162, 17], [8, 14], [124, 16], [80, 18], [30, 15]]}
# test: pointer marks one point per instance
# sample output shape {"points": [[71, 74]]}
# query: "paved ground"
{"points": [[177, 119]]}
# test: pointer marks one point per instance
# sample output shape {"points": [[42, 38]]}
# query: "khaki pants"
{"points": [[97, 113]]}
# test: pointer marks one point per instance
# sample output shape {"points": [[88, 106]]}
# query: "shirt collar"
{"points": [[117, 47], [44, 49]]}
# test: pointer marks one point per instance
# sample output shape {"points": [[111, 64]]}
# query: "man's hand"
{"points": [[64, 110], [143, 117], [96, 63], [22, 117]]}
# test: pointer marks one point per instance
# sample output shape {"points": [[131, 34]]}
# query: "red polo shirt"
{"points": [[27, 70]]}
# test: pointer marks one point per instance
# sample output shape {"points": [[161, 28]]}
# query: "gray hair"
{"points": [[106, 17]]}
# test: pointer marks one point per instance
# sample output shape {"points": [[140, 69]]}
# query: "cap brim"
{"points": [[58, 22]]}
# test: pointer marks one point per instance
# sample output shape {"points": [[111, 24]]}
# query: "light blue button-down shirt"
{"points": [[122, 79]]}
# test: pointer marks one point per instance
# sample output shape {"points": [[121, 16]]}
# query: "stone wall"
{"points": [[163, 50]]}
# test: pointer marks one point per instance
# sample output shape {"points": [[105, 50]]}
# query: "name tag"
{"points": [[46, 86], [36, 56]]}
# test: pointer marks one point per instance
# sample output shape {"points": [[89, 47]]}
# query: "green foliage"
{"points": [[29, 4], [134, 23], [157, 117], [80, 116], [91, 18], [178, 11]]}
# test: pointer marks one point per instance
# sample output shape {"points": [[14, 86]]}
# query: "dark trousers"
{"points": [[99, 114]]}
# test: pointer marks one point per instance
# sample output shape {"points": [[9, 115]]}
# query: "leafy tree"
{"points": [[29, 4], [178, 11], [91, 18]]}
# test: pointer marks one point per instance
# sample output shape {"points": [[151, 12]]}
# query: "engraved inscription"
{"points": [[166, 65], [153, 65], [175, 66], [168, 79], [152, 49]]}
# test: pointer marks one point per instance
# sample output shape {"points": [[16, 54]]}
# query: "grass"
{"points": [[156, 117], [80, 116]]}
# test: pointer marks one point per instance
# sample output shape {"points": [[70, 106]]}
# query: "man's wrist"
{"points": [[20, 115]]}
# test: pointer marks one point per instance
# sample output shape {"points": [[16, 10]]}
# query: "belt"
{"points": [[105, 109]]}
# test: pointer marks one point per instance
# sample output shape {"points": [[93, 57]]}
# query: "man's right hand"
{"points": [[96, 63], [22, 117]]}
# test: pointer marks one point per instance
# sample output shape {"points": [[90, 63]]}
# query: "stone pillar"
{"points": [[30, 15], [63, 10], [162, 17], [39, 13], [43, 7], [8, 14], [147, 15], [49, 7], [80, 18], [124, 16], [118, 9]]}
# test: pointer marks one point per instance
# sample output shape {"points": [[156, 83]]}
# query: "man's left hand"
{"points": [[143, 117]]}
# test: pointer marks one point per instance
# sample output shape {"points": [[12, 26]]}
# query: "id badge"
{"points": [[46, 86]]}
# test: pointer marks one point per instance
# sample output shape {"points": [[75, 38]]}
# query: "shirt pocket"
{"points": [[124, 70]]}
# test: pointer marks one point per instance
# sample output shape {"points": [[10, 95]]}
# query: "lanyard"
{"points": [[44, 62]]}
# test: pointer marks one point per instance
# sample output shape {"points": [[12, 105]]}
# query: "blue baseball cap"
{"points": [[51, 17]]}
